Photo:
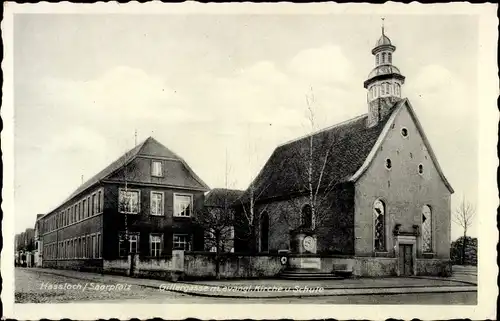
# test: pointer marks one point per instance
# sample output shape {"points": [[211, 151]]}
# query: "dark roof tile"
{"points": [[348, 144]]}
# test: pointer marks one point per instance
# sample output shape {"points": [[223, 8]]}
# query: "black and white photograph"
{"points": [[270, 160]]}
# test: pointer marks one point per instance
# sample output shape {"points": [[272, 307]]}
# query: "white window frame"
{"points": [[157, 250], [153, 168], [138, 200], [176, 204], [130, 235], [162, 203], [187, 242]]}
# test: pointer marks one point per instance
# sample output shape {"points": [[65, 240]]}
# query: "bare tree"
{"points": [[464, 216], [217, 220], [125, 201], [309, 161], [251, 214]]}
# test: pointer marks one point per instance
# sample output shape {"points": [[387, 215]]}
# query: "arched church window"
{"points": [[389, 57], [421, 169], [426, 229], [264, 232], [307, 218], [383, 57], [377, 57], [397, 88], [379, 225]]}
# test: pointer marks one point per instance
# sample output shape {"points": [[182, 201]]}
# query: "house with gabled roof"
{"points": [[143, 203], [370, 189]]}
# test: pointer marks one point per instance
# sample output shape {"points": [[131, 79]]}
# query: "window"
{"points": [[389, 57], [397, 89], [181, 242], [379, 225], [426, 229], [182, 205], [155, 244], [94, 246], [89, 206], [93, 207], [99, 247], [128, 201], [421, 169], [383, 57], [133, 243], [388, 163], [79, 251], [404, 132], [84, 209], [102, 201], [377, 59], [307, 216], [156, 203], [99, 202], [156, 169], [89, 247], [84, 246]]}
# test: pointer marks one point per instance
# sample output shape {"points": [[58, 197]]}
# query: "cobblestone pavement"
{"points": [[33, 286], [54, 286]]}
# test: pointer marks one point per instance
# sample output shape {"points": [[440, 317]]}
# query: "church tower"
{"points": [[384, 81]]}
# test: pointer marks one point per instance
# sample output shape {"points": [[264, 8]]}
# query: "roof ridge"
{"points": [[345, 122]]}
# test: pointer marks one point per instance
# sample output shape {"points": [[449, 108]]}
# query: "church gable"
{"points": [[403, 148]]}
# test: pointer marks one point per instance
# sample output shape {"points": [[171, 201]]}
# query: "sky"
{"points": [[223, 88]]}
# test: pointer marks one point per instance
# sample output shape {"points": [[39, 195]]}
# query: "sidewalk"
{"points": [[277, 288]]}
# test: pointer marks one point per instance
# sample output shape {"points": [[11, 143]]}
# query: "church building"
{"points": [[369, 190]]}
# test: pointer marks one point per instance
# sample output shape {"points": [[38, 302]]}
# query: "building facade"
{"points": [[143, 203], [370, 188]]}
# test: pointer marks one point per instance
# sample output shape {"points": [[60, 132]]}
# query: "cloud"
{"points": [[326, 64]]}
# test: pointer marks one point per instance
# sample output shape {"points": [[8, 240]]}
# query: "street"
{"points": [[48, 286]]}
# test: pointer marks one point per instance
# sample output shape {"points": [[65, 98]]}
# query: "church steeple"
{"points": [[384, 81]]}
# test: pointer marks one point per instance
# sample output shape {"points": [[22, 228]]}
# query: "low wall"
{"points": [[119, 266], [203, 265], [88, 265], [435, 267], [374, 266], [158, 268]]}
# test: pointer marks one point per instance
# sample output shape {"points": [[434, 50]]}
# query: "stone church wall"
{"points": [[334, 230]]}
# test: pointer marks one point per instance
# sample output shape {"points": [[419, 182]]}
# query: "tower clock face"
{"points": [[308, 243]]}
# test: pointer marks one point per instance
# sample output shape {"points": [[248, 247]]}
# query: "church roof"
{"points": [[351, 147], [348, 144]]}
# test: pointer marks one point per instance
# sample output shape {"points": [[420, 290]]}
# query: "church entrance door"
{"points": [[405, 259]]}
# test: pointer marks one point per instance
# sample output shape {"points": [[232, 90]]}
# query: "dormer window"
{"points": [[156, 169]]}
